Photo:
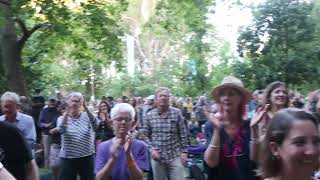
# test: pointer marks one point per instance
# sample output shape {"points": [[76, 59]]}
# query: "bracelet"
{"points": [[213, 146], [255, 141], [131, 163]]}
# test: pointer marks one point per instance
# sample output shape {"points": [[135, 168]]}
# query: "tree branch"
{"points": [[21, 24], [27, 33]]}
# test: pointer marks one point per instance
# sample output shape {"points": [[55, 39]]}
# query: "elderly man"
{"points": [[122, 157], [10, 104], [166, 133]]}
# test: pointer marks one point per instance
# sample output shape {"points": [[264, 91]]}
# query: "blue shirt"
{"points": [[26, 125]]}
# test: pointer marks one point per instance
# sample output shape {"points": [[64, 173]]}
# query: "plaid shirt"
{"points": [[166, 132]]}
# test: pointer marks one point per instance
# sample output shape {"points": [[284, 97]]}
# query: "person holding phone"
{"points": [[122, 157]]}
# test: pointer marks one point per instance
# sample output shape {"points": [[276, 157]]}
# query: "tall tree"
{"points": [[278, 46], [97, 19]]}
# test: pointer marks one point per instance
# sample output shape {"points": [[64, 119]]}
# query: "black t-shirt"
{"points": [[104, 132], [14, 150]]}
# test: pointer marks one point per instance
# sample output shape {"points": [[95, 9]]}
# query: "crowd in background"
{"points": [[238, 134]]}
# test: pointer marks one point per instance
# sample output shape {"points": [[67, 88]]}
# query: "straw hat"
{"points": [[231, 82]]}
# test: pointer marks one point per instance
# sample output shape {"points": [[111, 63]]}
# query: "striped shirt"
{"points": [[166, 132], [77, 136]]}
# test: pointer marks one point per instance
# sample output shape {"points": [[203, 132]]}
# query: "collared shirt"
{"points": [[26, 125], [166, 132], [77, 136]]}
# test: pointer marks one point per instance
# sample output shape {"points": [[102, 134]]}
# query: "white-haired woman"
{"points": [[77, 139], [122, 157]]}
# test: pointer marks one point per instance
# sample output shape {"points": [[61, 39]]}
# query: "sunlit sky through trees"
{"points": [[228, 18]]}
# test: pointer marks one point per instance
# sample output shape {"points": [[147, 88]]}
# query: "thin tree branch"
{"points": [[27, 33], [21, 24]]}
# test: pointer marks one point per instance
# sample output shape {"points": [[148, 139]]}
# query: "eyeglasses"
{"points": [[120, 119]]}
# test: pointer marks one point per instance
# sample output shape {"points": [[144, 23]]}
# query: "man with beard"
{"points": [[47, 116]]}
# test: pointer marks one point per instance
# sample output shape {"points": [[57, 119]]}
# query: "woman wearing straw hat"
{"points": [[228, 152]]}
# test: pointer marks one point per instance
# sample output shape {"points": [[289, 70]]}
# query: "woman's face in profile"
{"points": [[300, 149]]}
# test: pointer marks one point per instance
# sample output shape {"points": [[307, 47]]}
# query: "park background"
{"points": [[130, 47]]}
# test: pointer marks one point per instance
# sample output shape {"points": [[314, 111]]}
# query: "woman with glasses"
{"points": [[122, 157], [227, 154]]}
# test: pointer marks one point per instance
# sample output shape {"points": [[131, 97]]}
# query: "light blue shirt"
{"points": [[26, 125]]}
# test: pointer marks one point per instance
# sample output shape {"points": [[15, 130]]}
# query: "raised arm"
{"points": [[212, 153]]}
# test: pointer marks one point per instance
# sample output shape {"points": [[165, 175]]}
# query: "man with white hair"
{"points": [[9, 105], [122, 157]]}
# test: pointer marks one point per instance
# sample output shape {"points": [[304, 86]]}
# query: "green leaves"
{"points": [[277, 46]]}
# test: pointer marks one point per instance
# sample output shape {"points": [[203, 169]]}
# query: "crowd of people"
{"points": [[269, 134]]}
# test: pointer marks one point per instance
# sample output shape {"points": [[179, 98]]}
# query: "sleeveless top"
{"points": [[235, 163]]}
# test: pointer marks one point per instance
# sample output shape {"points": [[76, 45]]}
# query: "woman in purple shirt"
{"points": [[122, 157]]}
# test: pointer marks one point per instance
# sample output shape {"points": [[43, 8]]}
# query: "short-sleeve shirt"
{"points": [[77, 136], [120, 170], [26, 125], [15, 152]]}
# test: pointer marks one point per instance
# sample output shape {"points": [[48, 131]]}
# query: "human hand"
{"points": [[155, 155], [128, 143], [184, 158], [259, 115], [114, 148], [215, 119], [51, 131], [84, 104]]}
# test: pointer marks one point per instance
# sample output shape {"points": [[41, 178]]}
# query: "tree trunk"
{"points": [[11, 55]]}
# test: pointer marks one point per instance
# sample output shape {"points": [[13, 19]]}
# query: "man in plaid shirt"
{"points": [[166, 134]]}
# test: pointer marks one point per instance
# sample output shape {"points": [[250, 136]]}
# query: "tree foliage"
{"points": [[279, 45], [88, 31]]}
